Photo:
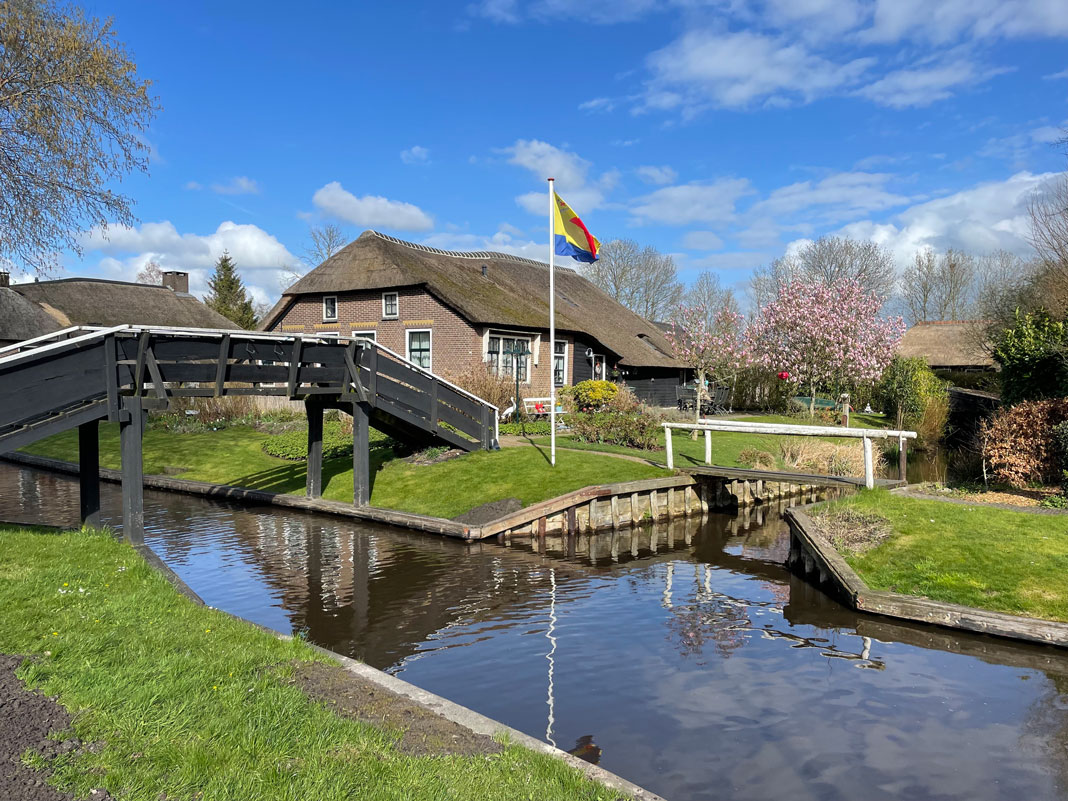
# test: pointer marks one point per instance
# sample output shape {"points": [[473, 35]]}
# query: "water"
{"points": [[690, 662]]}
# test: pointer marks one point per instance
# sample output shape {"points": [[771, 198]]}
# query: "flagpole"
{"points": [[552, 323]]}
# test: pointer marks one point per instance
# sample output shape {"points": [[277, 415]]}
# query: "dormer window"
{"points": [[390, 305], [330, 308]]}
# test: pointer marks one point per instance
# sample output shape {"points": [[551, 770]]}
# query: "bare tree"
{"points": [[918, 286], [324, 242], [642, 279], [707, 293], [72, 111], [829, 260], [952, 298], [150, 273], [1049, 236]]}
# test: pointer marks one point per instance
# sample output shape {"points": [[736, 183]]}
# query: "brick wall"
{"points": [[456, 344]]}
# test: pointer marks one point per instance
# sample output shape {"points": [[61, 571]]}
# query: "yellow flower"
{"points": [[55, 633], [65, 584], [207, 631], [216, 687]]}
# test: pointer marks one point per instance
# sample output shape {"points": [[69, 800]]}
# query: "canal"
{"points": [[684, 658]]}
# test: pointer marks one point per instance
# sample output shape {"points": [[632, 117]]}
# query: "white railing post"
{"points": [[708, 446], [869, 471], [667, 447]]}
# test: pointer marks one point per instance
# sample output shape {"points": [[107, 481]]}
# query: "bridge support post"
{"points": [[89, 473], [314, 484], [131, 434], [361, 456]]}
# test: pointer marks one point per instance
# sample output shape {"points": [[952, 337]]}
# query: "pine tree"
{"points": [[228, 296]]}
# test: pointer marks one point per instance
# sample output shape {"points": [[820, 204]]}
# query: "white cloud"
{"points": [[837, 197], [416, 154], [193, 186], [657, 175], [702, 240], [370, 210], [598, 104], [980, 219], [1055, 76], [259, 255], [953, 20], [239, 185], [504, 241], [571, 171], [736, 70], [693, 202], [925, 84]]}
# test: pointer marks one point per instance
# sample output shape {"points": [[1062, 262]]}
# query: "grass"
{"points": [[447, 489], [995, 559], [727, 446], [187, 702]]}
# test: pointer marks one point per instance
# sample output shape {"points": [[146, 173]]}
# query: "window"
{"points": [[364, 335], [330, 307], [390, 305], [560, 363], [501, 359], [419, 348]]}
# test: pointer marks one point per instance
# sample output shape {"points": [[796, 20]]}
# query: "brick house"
{"points": [[449, 311]]}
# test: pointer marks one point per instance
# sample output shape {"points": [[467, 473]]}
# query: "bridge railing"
{"points": [[743, 427]]}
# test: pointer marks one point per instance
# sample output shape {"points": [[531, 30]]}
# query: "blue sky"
{"points": [[723, 132]]}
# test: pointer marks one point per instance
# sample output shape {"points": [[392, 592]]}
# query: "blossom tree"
{"points": [[816, 334], [712, 348]]}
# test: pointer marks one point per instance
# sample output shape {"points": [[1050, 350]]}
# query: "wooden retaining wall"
{"points": [[814, 558]]}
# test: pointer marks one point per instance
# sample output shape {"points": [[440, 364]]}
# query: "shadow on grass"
{"points": [[292, 478]]}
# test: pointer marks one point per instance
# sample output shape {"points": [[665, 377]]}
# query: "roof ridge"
{"points": [[467, 254]]}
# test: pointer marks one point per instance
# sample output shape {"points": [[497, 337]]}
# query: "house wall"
{"points": [[654, 385], [456, 344]]}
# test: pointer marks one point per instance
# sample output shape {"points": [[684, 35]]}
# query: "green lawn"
{"points": [[995, 559], [186, 702], [726, 446], [234, 456]]}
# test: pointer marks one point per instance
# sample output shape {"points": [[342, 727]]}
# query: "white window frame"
{"points": [[567, 349], [396, 315], [408, 344], [530, 339], [334, 318], [373, 334]]}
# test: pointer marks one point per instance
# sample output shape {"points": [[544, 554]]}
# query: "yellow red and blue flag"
{"points": [[572, 237]]}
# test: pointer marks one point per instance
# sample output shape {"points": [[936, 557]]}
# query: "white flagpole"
{"points": [[552, 323]]}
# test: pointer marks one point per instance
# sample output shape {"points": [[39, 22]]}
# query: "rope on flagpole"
{"points": [[552, 323]]}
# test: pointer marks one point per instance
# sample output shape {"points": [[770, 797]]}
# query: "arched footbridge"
{"points": [[77, 377]]}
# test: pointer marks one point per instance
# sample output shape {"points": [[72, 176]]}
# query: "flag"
{"points": [[572, 237]]}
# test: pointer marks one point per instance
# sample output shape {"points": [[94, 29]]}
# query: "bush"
{"points": [[757, 388], [984, 381], [621, 421], [594, 395], [1032, 358], [1018, 442], [480, 382], [910, 392], [532, 428], [337, 442]]}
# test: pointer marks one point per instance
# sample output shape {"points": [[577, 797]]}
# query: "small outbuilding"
{"points": [[951, 345]]}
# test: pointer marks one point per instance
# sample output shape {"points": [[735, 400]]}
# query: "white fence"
{"points": [[742, 427]]}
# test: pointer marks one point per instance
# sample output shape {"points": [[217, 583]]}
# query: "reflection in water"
{"points": [[705, 669]]}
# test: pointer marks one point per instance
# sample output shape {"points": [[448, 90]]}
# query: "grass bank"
{"points": [[235, 456], [185, 702], [996, 559]]}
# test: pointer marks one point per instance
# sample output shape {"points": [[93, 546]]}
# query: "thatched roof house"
{"points": [[947, 345], [467, 299], [41, 307]]}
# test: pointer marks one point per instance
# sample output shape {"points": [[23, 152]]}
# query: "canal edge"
{"points": [[435, 704], [817, 560]]}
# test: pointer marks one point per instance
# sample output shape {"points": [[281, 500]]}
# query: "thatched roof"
{"points": [[514, 292], [946, 344], [94, 301], [23, 319]]}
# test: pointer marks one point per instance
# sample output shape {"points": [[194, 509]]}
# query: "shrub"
{"points": [[622, 420], [984, 381], [337, 442], [1032, 358], [531, 428], [480, 382], [910, 392], [757, 388], [594, 395], [1018, 442]]}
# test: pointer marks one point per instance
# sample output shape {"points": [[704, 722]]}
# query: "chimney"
{"points": [[484, 269], [5, 278], [176, 281]]}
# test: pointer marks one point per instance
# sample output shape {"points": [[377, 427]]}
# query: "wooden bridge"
{"points": [[80, 376]]}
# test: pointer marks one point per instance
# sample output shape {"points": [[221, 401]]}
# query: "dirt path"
{"points": [[26, 719]]}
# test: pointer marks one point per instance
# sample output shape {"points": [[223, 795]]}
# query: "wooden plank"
{"points": [[615, 512], [89, 473], [400, 393], [157, 379], [223, 364], [313, 485], [572, 523], [139, 373], [449, 415], [294, 367], [111, 378], [13, 439], [401, 372], [792, 430], [902, 459], [353, 374], [432, 404], [361, 460], [187, 349], [131, 433], [459, 401]]}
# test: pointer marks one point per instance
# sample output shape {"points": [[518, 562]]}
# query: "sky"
{"points": [[723, 132]]}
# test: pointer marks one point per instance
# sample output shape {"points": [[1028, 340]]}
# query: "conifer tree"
{"points": [[228, 296]]}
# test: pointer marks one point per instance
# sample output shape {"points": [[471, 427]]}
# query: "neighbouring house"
{"points": [[43, 307], [450, 311], [951, 345]]}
